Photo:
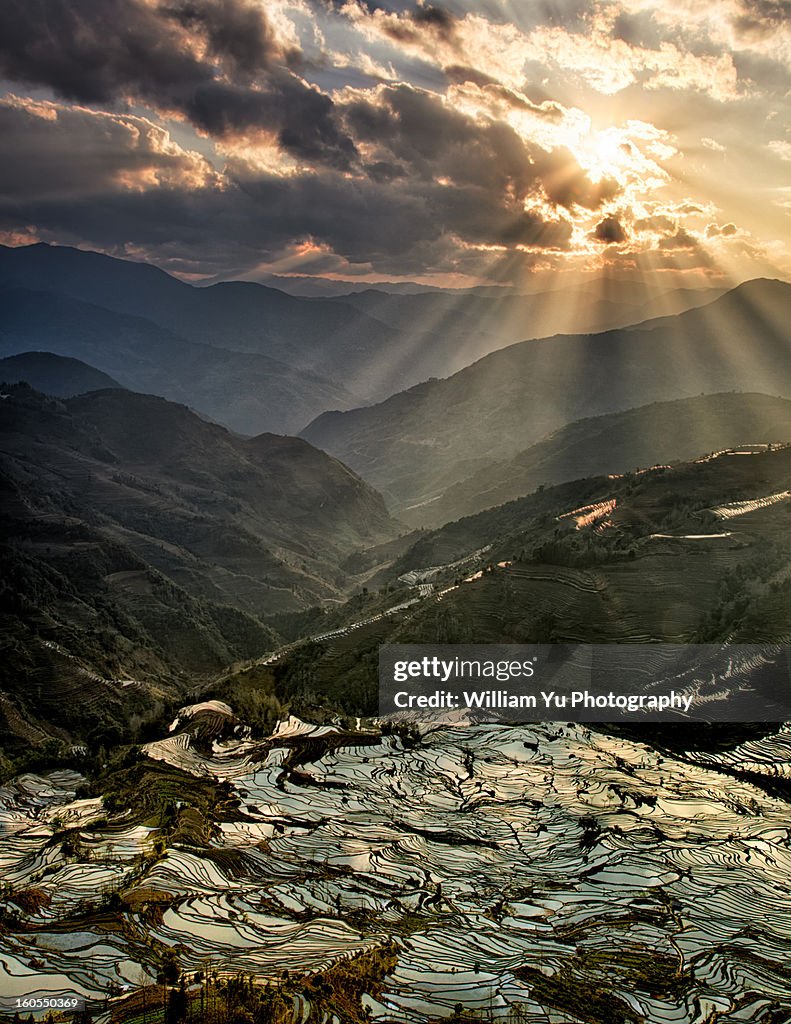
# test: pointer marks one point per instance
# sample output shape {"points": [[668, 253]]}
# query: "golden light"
{"points": [[606, 154]]}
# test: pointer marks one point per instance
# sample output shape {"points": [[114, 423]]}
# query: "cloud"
{"points": [[610, 65], [237, 35], [410, 26], [103, 179], [416, 130], [781, 148], [680, 240], [659, 223], [458, 74], [64, 152], [567, 184], [401, 136], [609, 231], [216, 63], [762, 17]]}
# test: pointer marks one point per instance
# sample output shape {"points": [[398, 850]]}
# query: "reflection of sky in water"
{"points": [[505, 847]]}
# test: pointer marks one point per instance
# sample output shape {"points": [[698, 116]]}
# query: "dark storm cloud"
{"points": [[638, 29], [770, 74], [414, 24], [101, 177], [108, 51], [394, 178], [408, 214], [94, 50], [463, 73], [63, 152], [417, 131], [248, 222], [475, 216], [97, 178], [609, 230], [435, 17], [237, 34]]}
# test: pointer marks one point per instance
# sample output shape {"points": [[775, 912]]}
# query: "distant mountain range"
{"points": [[474, 323], [420, 442], [282, 359], [246, 391], [146, 549]]}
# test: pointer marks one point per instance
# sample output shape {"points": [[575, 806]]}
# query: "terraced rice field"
{"points": [[770, 755], [647, 600], [583, 877], [741, 508]]}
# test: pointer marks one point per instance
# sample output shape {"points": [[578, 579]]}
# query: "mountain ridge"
{"points": [[247, 391], [360, 356], [423, 440], [666, 432], [61, 376]]}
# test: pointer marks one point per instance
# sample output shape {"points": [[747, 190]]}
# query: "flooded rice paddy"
{"points": [[511, 865]]}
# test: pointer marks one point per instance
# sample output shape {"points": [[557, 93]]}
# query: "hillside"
{"points": [[663, 432], [141, 542], [698, 552], [420, 442], [55, 375], [401, 862], [412, 874]]}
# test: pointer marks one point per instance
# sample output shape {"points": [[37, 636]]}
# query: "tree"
{"points": [[170, 967], [177, 1004]]}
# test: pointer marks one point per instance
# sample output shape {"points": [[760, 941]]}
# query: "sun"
{"points": [[608, 153]]}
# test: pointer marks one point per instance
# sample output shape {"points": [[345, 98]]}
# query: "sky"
{"points": [[511, 142]]}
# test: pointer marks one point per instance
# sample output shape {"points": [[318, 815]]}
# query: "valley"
{"points": [[202, 814]]}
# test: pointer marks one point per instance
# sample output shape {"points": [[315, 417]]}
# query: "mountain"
{"points": [[143, 543], [323, 287], [55, 375], [369, 345], [471, 324], [420, 442], [261, 522], [246, 391], [425, 871], [615, 443], [318, 338]]}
